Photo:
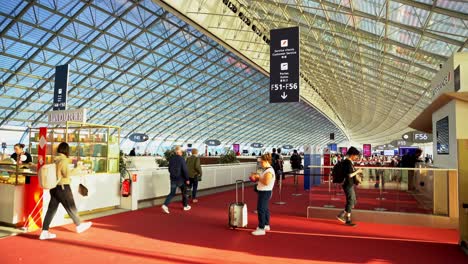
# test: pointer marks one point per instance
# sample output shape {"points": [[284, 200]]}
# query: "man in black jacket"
{"points": [[179, 179]]}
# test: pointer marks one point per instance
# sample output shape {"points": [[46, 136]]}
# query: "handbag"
{"points": [[82, 189]]}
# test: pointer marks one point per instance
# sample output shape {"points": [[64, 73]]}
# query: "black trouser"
{"points": [[350, 197], [194, 186], [61, 195], [183, 189], [262, 208]]}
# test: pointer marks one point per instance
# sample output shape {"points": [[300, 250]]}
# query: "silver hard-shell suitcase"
{"points": [[238, 211]]}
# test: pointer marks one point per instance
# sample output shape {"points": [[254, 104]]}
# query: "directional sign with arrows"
{"points": [[284, 65]]}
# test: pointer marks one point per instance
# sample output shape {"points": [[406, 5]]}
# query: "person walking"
{"points": [[62, 194], [295, 161], [195, 173], [348, 185], [179, 179], [409, 160], [266, 182]]}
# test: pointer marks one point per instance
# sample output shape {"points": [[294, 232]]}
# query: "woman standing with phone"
{"points": [[266, 182]]}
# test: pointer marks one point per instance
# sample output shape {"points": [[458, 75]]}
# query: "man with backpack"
{"points": [[347, 174], [295, 160]]}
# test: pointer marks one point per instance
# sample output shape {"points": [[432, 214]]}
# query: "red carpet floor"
{"points": [[201, 236]]}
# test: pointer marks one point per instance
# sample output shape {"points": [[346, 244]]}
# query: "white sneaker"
{"points": [[165, 209], [47, 235], [267, 228], [188, 207], [259, 232], [83, 227]]}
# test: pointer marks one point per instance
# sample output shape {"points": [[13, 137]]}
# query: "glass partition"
{"points": [[420, 190]]}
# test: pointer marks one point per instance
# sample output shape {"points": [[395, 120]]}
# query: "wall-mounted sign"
{"points": [[288, 147], [62, 116], [138, 137], [417, 137], [398, 142], [256, 145], [212, 142], [284, 65], [61, 87]]}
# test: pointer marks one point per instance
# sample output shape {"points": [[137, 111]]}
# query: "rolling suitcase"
{"points": [[238, 210]]}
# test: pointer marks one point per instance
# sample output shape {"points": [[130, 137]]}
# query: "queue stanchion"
{"points": [[331, 194], [296, 183], [380, 198], [280, 202]]}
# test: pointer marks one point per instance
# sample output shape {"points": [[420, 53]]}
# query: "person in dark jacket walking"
{"points": [[195, 173], [179, 179]]}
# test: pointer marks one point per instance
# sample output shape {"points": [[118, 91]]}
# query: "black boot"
{"points": [[349, 222], [341, 217]]}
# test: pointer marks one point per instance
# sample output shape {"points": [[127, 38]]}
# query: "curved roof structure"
{"points": [[136, 65], [367, 64]]}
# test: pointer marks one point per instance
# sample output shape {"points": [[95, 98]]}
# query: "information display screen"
{"points": [[442, 132]]}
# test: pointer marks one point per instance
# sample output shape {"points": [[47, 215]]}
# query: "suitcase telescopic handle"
{"points": [[237, 190]]}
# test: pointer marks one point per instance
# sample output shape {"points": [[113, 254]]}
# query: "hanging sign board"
{"points": [[61, 87], [288, 147], [284, 65], [417, 137], [212, 142], [256, 145], [138, 137]]}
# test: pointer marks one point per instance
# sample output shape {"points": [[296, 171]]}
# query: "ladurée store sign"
{"points": [[61, 117]]}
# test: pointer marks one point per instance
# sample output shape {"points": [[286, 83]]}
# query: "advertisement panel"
{"points": [[366, 150]]}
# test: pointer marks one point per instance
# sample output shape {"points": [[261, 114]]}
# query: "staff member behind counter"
{"points": [[20, 156]]}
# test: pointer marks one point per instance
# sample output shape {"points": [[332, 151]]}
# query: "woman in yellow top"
{"points": [[266, 182], [62, 194]]}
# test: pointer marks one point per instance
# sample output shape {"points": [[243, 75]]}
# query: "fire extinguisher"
{"points": [[125, 190]]}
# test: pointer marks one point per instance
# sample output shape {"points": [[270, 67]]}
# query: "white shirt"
{"points": [[269, 187]]}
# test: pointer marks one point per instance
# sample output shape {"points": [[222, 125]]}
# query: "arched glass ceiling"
{"points": [[135, 65], [369, 62]]}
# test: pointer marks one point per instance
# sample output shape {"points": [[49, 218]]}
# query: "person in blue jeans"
{"points": [[266, 182], [179, 179], [195, 173]]}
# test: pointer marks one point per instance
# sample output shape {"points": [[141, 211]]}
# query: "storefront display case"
{"points": [[12, 173], [13, 181], [95, 146]]}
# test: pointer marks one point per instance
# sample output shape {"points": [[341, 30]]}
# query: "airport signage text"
{"points": [[138, 137], [284, 65], [63, 116], [61, 87]]}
